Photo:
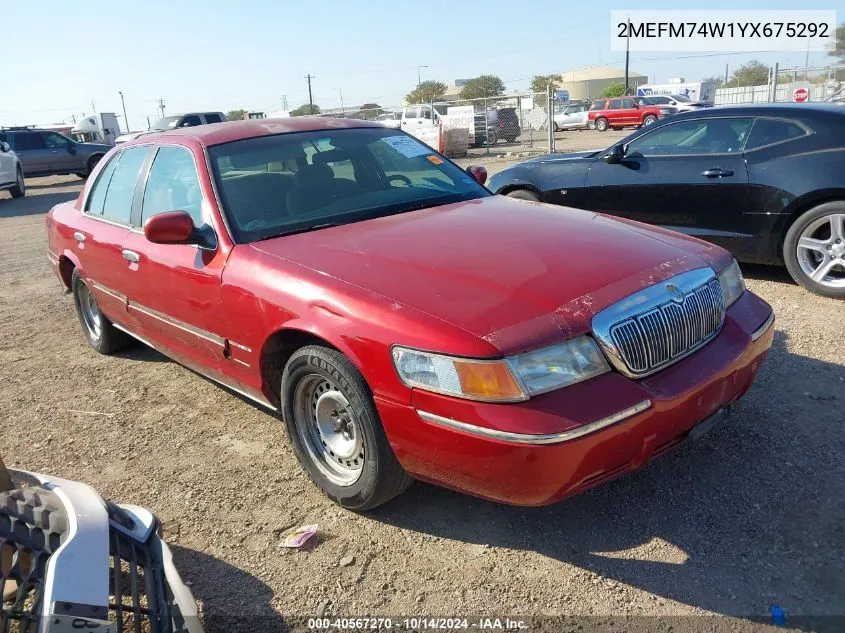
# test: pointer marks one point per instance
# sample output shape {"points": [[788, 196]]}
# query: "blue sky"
{"points": [[248, 53]]}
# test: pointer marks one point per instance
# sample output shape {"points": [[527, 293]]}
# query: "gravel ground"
{"points": [[752, 516]]}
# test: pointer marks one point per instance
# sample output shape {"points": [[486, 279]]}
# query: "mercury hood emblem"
{"points": [[675, 293]]}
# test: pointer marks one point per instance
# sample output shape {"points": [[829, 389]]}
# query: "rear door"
{"points": [[615, 115], [630, 113], [689, 176], [63, 153], [103, 226], [174, 289], [32, 152]]}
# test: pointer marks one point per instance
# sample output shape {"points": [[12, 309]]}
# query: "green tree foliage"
{"points": [[305, 109], [236, 115], [754, 73], [369, 111], [540, 83], [840, 43], [426, 92], [482, 87], [613, 89], [718, 80]]}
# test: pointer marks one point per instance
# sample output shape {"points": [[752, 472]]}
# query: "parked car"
{"points": [[621, 112], [390, 119], [572, 117], [681, 103], [501, 123], [383, 301], [657, 102], [763, 181], [176, 121], [11, 172], [48, 153]]}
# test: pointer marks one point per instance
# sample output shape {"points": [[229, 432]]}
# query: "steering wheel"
{"points": [[404, 179]]}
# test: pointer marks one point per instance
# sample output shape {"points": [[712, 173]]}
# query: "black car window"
{"points": [[121, 190], [54, 140], [615, 104], [598, 105], [29, 140], [769, 131], [190, 120], [173, 185], [213, 117], [94, 205], [699, 136], [627, 103]]}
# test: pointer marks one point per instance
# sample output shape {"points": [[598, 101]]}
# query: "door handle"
{"points": [[79, 237], [716, 172], [131, 256]]}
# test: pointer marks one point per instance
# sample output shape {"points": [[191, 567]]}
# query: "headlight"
{"points": [[509, 380], [733, 285]]}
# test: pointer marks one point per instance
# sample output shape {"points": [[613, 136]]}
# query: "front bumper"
{"points": [[509, 453]]}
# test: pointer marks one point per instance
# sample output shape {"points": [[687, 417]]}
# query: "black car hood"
{"points": [[545, 158]]}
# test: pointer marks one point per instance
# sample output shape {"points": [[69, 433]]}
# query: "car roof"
{"points": [[228, 131], [765, 109]]}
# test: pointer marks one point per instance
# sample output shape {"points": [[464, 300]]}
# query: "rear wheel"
{"points": [[601, 125], [90, 165], [101, 334], [649, 119], [524, 194], [19, 190], [814, 250], [336, 432]]}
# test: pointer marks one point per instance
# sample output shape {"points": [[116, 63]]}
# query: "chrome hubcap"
{"points": [[821, 250], [90, 312], [327, 429]]}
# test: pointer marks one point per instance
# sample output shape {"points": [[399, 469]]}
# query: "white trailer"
{"points": [[694, 90]]}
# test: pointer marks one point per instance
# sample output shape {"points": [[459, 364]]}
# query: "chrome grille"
{"points": [[656, 337]]}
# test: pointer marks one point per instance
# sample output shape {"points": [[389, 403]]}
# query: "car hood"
{"points": [[562, 158], [517, 274], [94, 147]]}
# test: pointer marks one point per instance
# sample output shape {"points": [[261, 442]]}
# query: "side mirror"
{"points": [[177, 227], [4, 147], [478, 173], [615, 154]]}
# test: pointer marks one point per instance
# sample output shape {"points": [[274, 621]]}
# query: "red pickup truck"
{"points": [[620, 112]]}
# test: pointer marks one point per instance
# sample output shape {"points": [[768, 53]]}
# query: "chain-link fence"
{"points": [[819, 84]]}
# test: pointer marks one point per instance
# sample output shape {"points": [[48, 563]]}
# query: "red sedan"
{"points": [[405, 322]]}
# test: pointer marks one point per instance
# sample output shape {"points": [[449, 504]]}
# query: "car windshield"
{"points": [[683, 98], [165, 123], [295, 182]]}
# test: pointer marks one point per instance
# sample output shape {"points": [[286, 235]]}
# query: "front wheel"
{"points": [[601, 125], [336, 432], [814, 250], [524, 194], [649, 119], [19, 190]]}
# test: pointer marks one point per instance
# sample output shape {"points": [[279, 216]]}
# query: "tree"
{"points": [[305, 109], [613, 89], [426, 92], [754, 73], [236, 115], [540, 83], [718, 80], [369, 111], [482, 87]]}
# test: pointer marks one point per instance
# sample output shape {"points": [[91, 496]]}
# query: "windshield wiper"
{"points": [[305, 229]]}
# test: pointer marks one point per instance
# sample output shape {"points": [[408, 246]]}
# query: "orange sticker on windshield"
{"points": [[435, 159]]}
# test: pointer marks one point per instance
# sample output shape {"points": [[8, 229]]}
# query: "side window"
{"points": [[121, 189], [425, 112], [412, 113], [55, 141], [627, 103], [190, 120], [598, 105], [701, 136], [768, 131], [98, 193], [615, 104], [29, 140], [173, 185], [213, 117]]}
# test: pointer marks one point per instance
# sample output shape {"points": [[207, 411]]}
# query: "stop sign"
{"points": [[800, 94]]}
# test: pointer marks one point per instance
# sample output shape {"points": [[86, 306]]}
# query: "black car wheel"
{"points": [[814, 250], [19, 190], [601, 125], [524, 194], [91, 164], [101, 334], [336, 432], [649, 119]]}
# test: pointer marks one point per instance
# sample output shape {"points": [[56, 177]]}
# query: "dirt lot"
{"points": [[750, 517]]}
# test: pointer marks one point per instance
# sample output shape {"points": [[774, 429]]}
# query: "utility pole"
{"points": [[123, 103], [342, 109], [309, 77], [161, 106], [418, 74], [73, 118], [284, 102], [627, 53], [726, 74], [93, 107]]}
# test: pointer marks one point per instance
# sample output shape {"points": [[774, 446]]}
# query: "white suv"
{"points": [[11, 173]]}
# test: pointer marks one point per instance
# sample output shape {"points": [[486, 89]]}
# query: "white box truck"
{"points": [[696, 91]]}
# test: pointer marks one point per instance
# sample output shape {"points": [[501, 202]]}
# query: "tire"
{"points": [[510, 139], [615, 128], [557, 128], [101, 334], [523, 194], [90, 165], [823, 227], [19, 190], [492, 139], [649, 119], [601, 124], [321, 389]]}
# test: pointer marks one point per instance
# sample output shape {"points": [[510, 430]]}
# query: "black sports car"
{"points": [[767, 182]]}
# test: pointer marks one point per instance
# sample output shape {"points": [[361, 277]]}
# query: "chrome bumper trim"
{"points": [[525, 438], [760, 331]]}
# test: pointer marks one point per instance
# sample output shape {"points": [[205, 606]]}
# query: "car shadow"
{"points": [[232, 600], [142, 353], [750, 516], [33, 205], [767, 273]]}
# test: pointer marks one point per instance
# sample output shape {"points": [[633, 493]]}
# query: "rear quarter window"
{"points": [[771, 131], [598, 105]]}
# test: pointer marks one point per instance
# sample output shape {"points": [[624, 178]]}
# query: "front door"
{"points": [[63, 153], [174, 289], [689, 176]]}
